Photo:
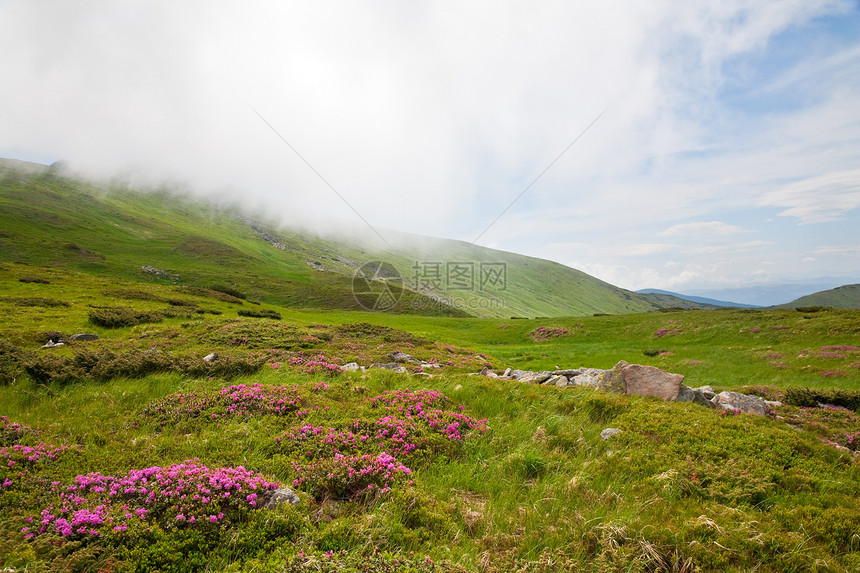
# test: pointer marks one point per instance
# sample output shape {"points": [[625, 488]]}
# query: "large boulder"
{"points": [[651, 381], [613, 380], [742, 402]]}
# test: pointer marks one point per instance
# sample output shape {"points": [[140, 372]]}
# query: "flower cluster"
{"points": [[350, 476], [17, 460], [180, 495], [832, 373], [235, 400], [12, 432], [666, 332], [410, 429], [542, 333]]}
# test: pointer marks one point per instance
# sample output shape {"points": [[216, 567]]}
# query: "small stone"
{"points": [[559, 381], [210, 357], [402, 357], [609, 432], [507, 372], [52, 344], [281, 496], [351, 367], [84, 337]]}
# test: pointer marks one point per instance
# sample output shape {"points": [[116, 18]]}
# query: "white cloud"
{"points": [[702, 229], [431, 117], [818, 199]]}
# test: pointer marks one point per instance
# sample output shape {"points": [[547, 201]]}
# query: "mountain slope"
{"points": [[50, 219], [846, 296]]}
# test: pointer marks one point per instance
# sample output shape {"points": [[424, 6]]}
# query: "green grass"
{"points": [[681, 487]]}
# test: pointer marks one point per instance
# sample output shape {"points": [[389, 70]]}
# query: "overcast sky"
{"points": [[728, 152]]}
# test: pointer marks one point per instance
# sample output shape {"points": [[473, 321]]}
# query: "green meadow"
{"points": [[432, 470]]}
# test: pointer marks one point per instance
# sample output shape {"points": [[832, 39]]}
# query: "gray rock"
{"points": [[507, 372], [650, 381], [588, 377], [84, 337], [742, 402], [152, 350], [609, 432], [613, 380], [570, 372], [210, 357], [402, 357], [281, 496], [694, 395], [704, 389], [556, 380], [773, 403], [531, 377], [351, 367], [52, 344], [708, 394]]}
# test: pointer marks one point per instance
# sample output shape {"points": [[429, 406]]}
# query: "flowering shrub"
{"points": [[542, 333], [17, 460], [350, 476], [832, 373], [666, 332], [11, 432], [179, 496], [235, 400]]}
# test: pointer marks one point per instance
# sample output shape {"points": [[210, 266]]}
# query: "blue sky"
{"points": [[728, 154]]}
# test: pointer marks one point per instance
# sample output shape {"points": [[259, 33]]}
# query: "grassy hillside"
{"points": [[408, 472], [159, 237], [846, 296]]}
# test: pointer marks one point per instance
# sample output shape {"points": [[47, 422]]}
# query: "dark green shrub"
{"points": [[51, 369], [653, 351], [207, 311], [118, 317], [11, 359], [386, 333], [260, 313], [232, 291], [808, 398], [34, 301], [811, 309], [34, 279]]}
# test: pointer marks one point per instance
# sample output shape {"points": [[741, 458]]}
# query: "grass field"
{"points": [[448, 472]]}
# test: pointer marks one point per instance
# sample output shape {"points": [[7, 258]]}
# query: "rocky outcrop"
{"points": [[637, 380]]}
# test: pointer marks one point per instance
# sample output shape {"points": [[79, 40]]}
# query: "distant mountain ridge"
{"points": [[47, 218], [698, 299]]}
